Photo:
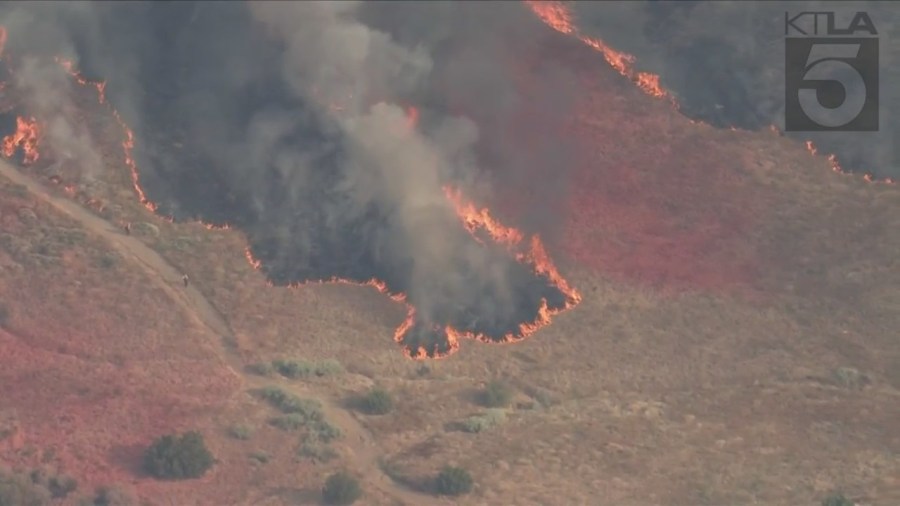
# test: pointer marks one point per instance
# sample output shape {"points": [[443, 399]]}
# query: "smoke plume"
{"points": [[724, 62], [291, 121]]}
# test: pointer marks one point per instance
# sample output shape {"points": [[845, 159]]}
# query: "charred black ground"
{"points": [[724, 63], [223, 135]]}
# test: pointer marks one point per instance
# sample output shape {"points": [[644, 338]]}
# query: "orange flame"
{"points": [[557, 15], [836, 167], [472, 218], [127, 143], [25, 137]]}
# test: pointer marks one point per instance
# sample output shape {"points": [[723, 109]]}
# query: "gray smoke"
{"points": [[724, 61], [289, 120]]}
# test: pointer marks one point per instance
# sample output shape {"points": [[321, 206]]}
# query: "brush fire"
{"points": [[305, 129]]}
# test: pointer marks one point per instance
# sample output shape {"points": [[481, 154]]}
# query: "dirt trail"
{"points": [[357, 437]]}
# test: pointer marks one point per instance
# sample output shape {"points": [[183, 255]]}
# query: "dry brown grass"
{"points": [[700, 368]]}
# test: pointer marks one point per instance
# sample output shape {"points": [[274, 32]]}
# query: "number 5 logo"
{"points": [[843, 72]]}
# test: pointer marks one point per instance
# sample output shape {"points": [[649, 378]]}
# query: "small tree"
{"points": [[341, 489], [496, 394], [175, 457], [377, 402], [453, 481]]}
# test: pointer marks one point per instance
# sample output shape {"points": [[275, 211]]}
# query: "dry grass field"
{"points": [[737, 343]]}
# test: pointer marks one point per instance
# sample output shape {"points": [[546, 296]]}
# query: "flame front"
{"points": [[557, 15], [25, 138], [836, 167]]}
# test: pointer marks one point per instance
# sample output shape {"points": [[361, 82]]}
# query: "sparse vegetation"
{"points": [[107, 260], [341, 489], [290, 403], [4, 314], [453, 481], [377, 401], [313, 449], [261, 369], [298, 369], [241, 432], [17, 489], [850, 378], [837, 500], [489, 419], [112, 496], [496, 394], [260, 456], [173, 457]]}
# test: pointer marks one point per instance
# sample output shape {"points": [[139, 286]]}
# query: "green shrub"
{"points": [[260, 456], [489, 419], [341, 489], [241, 432], [114, 496], [496, 394], [316, 450], [175, 457], [17, 489], [291, 421], [290, 403], [837, 500], [295, 369], [453, 481], [61, 485], [323, 431], [377, 401], [261, 369]]}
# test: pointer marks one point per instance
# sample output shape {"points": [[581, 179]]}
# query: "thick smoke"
{"points": [[289, 120], [724, 61], [42, 88]]}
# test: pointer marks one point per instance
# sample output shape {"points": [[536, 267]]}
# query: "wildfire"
{"points": [[836, 167], [2, 40], [127, 143], [25, 137], [473, 218], [69, 66], [557, 15]]}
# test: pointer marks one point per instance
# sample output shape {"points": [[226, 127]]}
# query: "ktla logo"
{"points": [[831, 73]]}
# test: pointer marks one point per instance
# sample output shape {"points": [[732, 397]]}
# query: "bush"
{"points": [[304, 369], [241, 432], [175, 457], [61, 485], [261, 369], [290, 403], [453, 481], [837, 500], [17, 489], [496, 394], [377, 402], [315, 450], [114, 496], [341, 489], [260, 456], [477, 423]]}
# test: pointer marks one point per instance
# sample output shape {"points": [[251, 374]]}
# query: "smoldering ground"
{"points": [[724, 62], [287, 120]]}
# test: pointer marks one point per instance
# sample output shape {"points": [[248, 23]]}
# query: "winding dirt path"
{"points": [[357, 438]]}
